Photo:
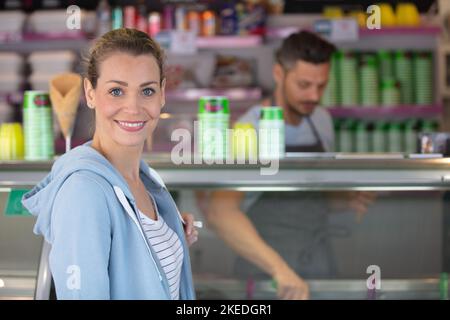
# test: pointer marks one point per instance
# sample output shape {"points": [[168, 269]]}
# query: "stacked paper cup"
{"points": [[423, 78]]}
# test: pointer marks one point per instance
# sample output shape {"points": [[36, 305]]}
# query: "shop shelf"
{"points": [[234, 94], [29, 42], [383, 112], [400, 31], [229, 41]]}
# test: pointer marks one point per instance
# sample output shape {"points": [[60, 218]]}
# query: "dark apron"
{"points": [[295, 225]]}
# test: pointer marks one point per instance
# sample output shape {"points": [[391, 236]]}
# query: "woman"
{"points": [[114, 229]]}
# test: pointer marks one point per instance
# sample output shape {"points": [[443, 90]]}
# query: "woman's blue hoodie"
{"points": [[87, 213]]}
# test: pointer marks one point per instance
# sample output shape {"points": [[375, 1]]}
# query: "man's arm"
{"points": [[223, 214]]}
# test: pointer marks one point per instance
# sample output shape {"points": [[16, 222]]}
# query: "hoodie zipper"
{"points": [[123, 200]]}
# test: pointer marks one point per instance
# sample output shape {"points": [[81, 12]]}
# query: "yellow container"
{"points": [[11, 141], [245, 145], [407, 15], [388, 18], [332, 12]]}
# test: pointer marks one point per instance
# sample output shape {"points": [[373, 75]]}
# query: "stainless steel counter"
{"points": [[293, 174]]}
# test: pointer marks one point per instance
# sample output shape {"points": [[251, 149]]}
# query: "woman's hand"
{"points": [[190, 231]]}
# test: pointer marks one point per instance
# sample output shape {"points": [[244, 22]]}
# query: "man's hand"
{"points": [[358, 201], [290, 286], [190, 231]]}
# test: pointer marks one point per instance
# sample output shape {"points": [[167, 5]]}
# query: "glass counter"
{"points": [[405, 231]]}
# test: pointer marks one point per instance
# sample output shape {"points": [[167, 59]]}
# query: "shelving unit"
{"points": [[383, 112], [253, 46]]}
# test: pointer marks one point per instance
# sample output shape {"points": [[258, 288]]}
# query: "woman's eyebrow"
{"points": [[149, 82], [125, 84]]}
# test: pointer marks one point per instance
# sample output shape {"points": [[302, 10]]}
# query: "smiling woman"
{"points": [[102, 209]]}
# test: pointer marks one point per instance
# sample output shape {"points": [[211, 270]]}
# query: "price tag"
{"points": [[183, 42], [339, 30], [344, 30]]}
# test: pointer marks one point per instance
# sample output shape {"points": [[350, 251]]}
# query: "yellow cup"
{"points": [[17, 141], [11, 141], [407, 15], [332, 12], [388, 18], [245, 144]]}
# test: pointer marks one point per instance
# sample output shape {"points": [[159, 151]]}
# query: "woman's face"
{"points": [[128, 98]]}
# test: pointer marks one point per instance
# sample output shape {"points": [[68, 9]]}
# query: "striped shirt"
{"points": [[168, 248]]}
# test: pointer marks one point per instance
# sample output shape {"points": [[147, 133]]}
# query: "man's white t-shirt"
{"points": [[303, 133]]}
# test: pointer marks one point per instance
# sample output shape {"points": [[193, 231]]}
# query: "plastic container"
{"points": [[395, 137], [38, 126], [411, 136], [48, 21], [362, 141], [330, 97], [368, 76], [10, 82], [346, 134], [348, 78], [386, 64], [245, 145], [52, 62], [390, 92], [12, 21], [271, 133], [209, 23], [11, 62], [403, 73], [379, 137], [423, 78], [117, 18], [214, 117]]}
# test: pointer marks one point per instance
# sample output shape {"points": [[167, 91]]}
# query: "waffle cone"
{"points": [[65, 91]]}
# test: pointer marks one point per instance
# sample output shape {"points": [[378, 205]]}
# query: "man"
{"points": [[284, 234]]}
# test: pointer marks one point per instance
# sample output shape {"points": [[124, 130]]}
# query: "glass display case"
{"points": [[304, 210]]}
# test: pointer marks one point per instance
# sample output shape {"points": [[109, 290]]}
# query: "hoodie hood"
{"points": [[39, 200]]}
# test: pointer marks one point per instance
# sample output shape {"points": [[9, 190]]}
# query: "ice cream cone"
{"points": [[65, 91]]}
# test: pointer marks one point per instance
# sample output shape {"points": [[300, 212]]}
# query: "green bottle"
{"points": [[117, 18]]}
